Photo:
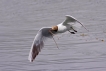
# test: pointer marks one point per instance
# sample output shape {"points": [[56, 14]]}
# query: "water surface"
{"points": [[21, 19]]}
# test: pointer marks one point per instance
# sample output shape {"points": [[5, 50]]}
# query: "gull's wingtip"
{"points": [[30, 57], [30, 60], [68, 16]]}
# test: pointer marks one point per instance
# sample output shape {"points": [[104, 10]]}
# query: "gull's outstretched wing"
{"points": [[73, 22], [38, 43]]}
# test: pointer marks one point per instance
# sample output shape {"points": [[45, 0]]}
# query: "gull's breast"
{"points": [[62, 28]]}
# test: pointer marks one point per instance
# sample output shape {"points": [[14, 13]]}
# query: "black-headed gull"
{"points": [[69, 24]]}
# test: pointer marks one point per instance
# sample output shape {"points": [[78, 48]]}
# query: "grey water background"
{"points": [[21, 19]]}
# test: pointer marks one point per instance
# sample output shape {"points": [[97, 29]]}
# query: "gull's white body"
{"points": [[69, 23], [63, 28]]}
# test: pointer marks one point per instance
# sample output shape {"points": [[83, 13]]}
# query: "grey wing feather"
{"points": [[73, 22], [38, 43], [69, 19]]}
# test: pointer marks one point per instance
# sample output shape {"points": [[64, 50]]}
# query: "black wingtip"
{"points": [[35, 52]]}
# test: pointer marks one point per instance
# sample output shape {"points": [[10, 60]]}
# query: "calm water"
{"points": [[21, 19]]}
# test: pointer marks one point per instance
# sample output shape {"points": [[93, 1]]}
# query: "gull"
{"points": [[70, 24]]}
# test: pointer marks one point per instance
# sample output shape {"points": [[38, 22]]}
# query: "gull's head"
{"points": [[54, 28]]}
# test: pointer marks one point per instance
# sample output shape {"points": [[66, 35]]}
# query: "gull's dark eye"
{"points": [[55, 30]]}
